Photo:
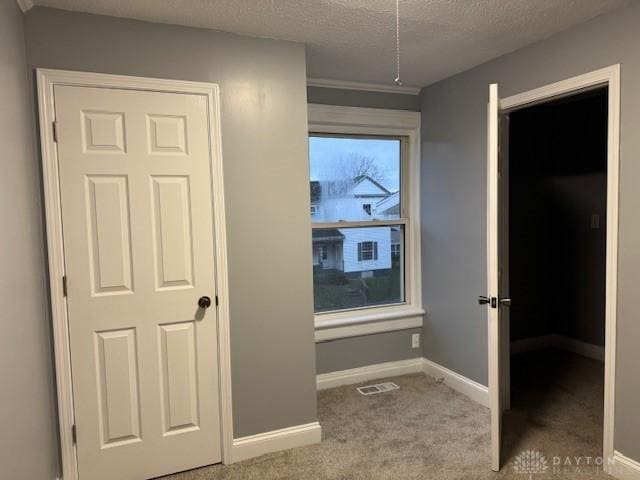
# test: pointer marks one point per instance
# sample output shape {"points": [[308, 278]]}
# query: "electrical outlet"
{"points": [[415, 340]]}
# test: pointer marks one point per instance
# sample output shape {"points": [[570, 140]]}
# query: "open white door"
{"points": [[493, 301]]}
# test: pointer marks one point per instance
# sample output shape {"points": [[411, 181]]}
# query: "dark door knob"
{"points": [[204, 302], [483, 300]]}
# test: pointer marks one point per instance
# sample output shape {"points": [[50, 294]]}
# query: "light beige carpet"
{"points": [[426, 430]]}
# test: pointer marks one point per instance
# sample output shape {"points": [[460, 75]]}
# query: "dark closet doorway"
{"points": [[557, 178]]}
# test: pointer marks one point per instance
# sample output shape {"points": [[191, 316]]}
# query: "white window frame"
{"points": [[330, 119]]}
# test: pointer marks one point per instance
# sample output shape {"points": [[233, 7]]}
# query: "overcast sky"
{"points": [[326, 155]]}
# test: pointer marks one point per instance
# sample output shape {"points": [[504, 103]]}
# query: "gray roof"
{"points": [[327, 235], [316, 186]]}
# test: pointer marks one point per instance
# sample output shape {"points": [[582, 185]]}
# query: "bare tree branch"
{"points": [[351, 168]]}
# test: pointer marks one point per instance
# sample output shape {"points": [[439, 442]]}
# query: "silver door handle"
{"points": [[505, 302], [492, 301]]}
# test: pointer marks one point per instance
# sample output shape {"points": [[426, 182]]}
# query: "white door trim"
{"points": [[609, 76], [47, 79]]}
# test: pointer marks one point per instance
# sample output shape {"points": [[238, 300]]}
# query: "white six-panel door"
{"points": [[135, 182]]}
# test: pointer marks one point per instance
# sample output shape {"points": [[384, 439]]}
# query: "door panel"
{"points": [[172, 238], [110, 236], [135, 182], [118, 387], [179, 383], [493, 195]]}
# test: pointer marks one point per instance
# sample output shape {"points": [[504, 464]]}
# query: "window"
{"points": [[324, 254], [356, 185], [367, 251], [365, 181], [314, 210]]}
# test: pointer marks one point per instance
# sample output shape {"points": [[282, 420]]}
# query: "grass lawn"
{"points": [[333, 291]]}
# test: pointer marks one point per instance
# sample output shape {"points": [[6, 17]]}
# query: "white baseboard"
{"points": [[559, 342], [276, 440], [532, 344], [588, 350], [370, 372], [624, 468], [472, 389], [464, 385]]}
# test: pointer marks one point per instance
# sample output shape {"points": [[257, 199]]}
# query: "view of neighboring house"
{"points": [[357, 252]]}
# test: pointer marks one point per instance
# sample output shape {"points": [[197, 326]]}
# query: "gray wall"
{"points": [[264, 141], [28, 447], [579, 285], [557, 260], [360, 98], [354, 352], [454, 189]]}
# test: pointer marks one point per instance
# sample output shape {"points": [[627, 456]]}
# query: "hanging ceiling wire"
{"points": [[397, 80]]}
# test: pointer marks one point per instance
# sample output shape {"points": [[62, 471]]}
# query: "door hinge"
{"points": [[55, 131], [64, 285], [217, 301], [74, 434]]}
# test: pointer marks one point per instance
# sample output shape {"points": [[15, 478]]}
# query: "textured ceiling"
{"points": [[355, 39]]}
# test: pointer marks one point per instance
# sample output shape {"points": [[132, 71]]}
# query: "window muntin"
{"points": [[356, 187]]}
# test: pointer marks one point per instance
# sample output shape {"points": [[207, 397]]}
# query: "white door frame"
{"points": [[610, 77], [47, 79]]}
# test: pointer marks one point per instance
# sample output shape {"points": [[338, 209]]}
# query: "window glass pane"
{"points": [[354, 178], [358, 267]]}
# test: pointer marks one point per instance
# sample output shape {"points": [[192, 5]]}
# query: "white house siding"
{"points": [[353, 236], [349, 205], [332, 206], [388, 207]]}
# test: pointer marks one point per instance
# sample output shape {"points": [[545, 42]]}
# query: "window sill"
{"points": [[332, 326]]}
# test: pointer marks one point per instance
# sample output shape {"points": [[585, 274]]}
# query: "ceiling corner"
{"points": [[25, 5]]}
